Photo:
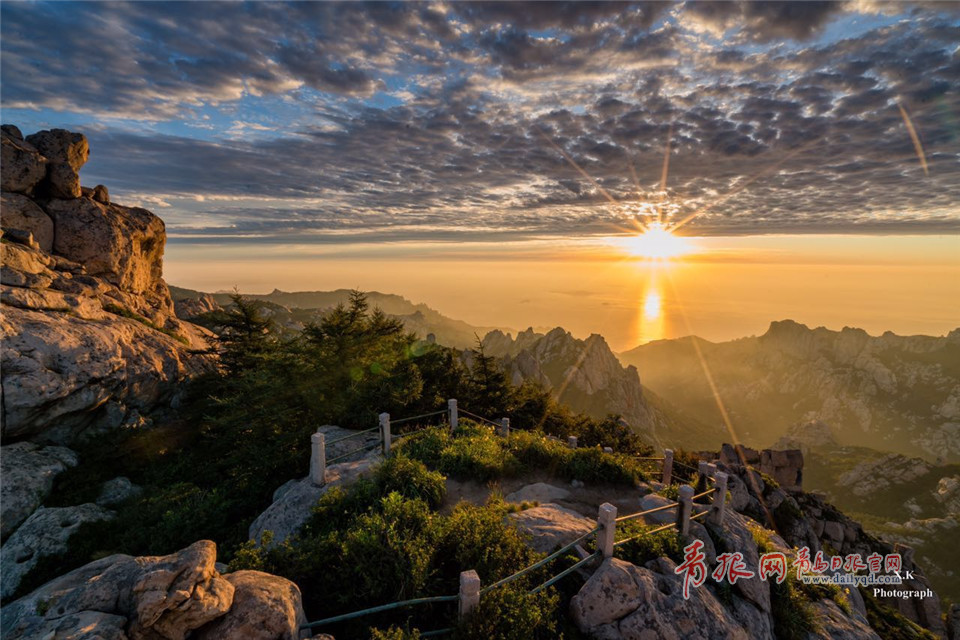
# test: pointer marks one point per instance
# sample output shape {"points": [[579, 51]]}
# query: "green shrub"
{"points": [[395, 633], [510, 613], [412, 479], [793, 617], [646, 547], [889, 623]]}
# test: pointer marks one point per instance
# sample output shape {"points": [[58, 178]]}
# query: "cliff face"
{"points": [[584, 374], [90, 337], [900, 393]]}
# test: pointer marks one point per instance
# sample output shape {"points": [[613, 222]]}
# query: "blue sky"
{"points": [[347, 122]]}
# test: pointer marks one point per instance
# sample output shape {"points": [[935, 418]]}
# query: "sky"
{"points": [[340, 144]]}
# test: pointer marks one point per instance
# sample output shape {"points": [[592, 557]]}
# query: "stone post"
{"points": [[607, 519], [469, 592], [703, 473], [452, 410], [318, 459], [505, 427], [685, 509], [667, 467], [719, 508], [385, 433], [572, 442]]}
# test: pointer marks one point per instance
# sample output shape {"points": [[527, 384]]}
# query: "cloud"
{"points": [[332, 121]]}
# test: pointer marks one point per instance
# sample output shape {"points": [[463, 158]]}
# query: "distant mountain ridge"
{"points": [[588, 377], [897, 393], [417, 317]]}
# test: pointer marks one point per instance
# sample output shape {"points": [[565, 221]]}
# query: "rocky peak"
{"points": [[90, 334], [585, 373]]}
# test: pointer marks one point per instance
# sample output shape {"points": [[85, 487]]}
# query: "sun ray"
{"points": [[746, 183], [580, 169], [918, 147], [718, 400], [663, 174]]}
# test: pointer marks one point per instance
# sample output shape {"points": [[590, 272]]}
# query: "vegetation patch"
{"points": [[127, 313], [476, 452]]}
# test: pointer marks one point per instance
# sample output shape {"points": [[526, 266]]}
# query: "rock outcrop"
{"points": [[28, 471], [550, 526], [265, 607], [621, 600], [158, 598], [584, 374], [293, 501], [90, 337], [45, 533]]}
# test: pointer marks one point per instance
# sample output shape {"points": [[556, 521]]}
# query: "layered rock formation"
{"points": [[90, 337], [623, 600], [584, 374], [158, 598]]}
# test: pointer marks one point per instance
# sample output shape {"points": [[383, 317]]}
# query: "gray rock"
{"points": [[98, 193], [85, 625], [61, 373], [953, 622], [265, 607], [621, 600], [28, 471], [738, 537], [66, 152], [834, 624], [538, 492], [12, 130], [44, 533], [116, 491], [160, 597], [20, 212], [123, 245], [293, 508], [22, 166], [551, 526]]}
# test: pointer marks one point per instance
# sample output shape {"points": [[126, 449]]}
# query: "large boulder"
{"points": [[551, 526], [22, 166], [28, 471], [20, 212], [160, 597], [45, 533], [265, 607], [63, 373], [294, 501], [86, 625], [621, 600], [122, 245], [66, 152]]}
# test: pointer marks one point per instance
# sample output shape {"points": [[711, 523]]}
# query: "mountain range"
{"points": [[888, 392]]}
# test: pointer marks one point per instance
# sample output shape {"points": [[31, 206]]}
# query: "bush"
{"points": [[510, 613], [793, 617], [362, 549], [648, 547]]}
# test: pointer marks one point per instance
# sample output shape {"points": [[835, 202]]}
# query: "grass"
{"points": [[475, 452]]}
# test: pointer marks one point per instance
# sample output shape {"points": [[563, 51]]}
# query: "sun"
{"points": [[658, 243]]}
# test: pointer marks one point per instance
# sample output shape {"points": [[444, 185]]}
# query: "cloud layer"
{"points": [[333, 122]]}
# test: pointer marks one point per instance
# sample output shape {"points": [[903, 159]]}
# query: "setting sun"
{"points": [[657, 242]]}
